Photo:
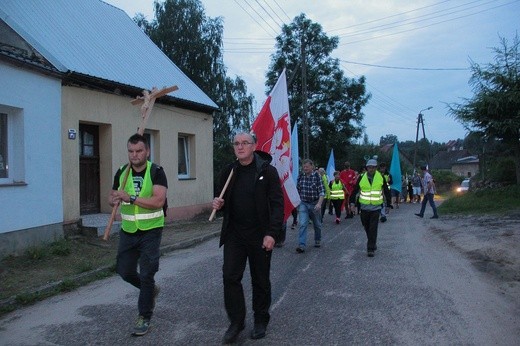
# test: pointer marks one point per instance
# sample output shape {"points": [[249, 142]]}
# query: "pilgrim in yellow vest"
{"points": [[371, 193], [135, 217]]}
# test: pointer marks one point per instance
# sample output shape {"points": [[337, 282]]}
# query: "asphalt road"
{"points": [[415, 291]]}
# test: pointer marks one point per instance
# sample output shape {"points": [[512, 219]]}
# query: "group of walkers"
{"points": [[251, 199]]}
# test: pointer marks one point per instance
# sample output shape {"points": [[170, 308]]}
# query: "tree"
{"points": [[193, 42], [334, 101], [494, 108], [388, 139]]}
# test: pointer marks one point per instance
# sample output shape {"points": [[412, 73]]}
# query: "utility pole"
{"points": [[304, 99], [420, 121]]}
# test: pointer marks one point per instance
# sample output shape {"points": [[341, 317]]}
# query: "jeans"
{"points": [[140, 247], [237, 252], [428, 197], [306, 211]]}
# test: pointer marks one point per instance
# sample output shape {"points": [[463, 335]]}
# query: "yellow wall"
{"points": [[118, 119]]}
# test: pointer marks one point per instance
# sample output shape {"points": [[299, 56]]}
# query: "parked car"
{"points": [[464, 186]]}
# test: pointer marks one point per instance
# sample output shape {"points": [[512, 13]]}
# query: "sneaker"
{"points": [[420, 215], [370, 253], [299, 249], [337, 220], [317, 243], [141, 326], [156, 291]]}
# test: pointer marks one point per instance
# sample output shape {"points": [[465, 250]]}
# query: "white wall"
{"points": [[36, 99]]}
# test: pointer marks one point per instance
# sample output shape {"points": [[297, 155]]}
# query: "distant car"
{"points": [[464, 186]]}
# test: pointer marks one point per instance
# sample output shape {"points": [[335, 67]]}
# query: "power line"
{"points": [[280, 7], [392, 16], [408, 68], [269, 14], [253, 18], [261, 17], [417, 19], [275, 12], [426, 26]]}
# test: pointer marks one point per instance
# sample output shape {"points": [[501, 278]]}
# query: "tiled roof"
{"points": [[95, 39]]}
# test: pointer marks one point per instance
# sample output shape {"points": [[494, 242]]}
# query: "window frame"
{"points": [[183, 143]]}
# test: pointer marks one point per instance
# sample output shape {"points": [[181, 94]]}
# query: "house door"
{"points": [[89, 169]]}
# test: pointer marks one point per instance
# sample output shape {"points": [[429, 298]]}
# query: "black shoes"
{"points": [[420, 215], [232, 333], [370, 253], [258, 331], [300, 249], [434, 217], [383, 219]]}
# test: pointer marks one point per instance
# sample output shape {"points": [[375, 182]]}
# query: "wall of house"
{"points": [[119, 119], [34, 203], [463, 169]]}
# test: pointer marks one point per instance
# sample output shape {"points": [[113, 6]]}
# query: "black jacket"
{"points": [[268, 196]]}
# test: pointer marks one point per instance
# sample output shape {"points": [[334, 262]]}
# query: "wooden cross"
{"points": [[146, 101]]}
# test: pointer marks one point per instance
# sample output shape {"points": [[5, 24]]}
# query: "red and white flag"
{"points": [[272, 127]]}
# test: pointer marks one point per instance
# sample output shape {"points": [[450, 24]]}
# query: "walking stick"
{"points": [[146, 101], [212, 216]]}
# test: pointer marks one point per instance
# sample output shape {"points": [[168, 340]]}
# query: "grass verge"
{"points": [[44, 271], [486, 201]]}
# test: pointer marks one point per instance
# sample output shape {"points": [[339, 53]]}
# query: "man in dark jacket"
{"points": [[253, 218]]}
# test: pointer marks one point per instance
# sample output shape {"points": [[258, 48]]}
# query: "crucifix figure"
{"points": [[147, 101]]}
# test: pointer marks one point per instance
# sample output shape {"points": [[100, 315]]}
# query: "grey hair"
{"points": [[250, 134]]}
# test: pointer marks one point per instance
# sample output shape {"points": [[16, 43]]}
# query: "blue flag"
{"points": [[295, 158], [331, 167], [395, 170]]}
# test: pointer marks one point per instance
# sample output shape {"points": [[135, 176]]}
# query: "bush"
{"points": [[445, 180], [502, 170]]}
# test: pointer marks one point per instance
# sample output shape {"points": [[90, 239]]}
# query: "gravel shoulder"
{"points": [[491, 242]]}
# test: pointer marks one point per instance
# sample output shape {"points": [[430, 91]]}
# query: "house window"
{"points": [[4, 166], [184, 156], [149, 138], [12, 146]]}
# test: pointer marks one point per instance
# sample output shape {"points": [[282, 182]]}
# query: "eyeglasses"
{"points": [[241, 144]]}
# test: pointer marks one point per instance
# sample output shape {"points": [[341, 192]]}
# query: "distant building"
{"points": [[69, 69], [456, 159]]}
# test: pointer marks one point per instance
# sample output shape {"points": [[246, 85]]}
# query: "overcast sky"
{"points": [[414, 54]]}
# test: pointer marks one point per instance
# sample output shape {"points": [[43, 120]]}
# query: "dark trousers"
{"points": [[294, 216], [428, 197], [338, 203], [236, 253], [141, 247], [370, 221]]}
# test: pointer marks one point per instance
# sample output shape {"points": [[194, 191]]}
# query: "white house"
{"points": [[69, 69]]}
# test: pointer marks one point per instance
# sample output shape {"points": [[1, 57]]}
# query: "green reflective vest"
{"points": [[336, 190], [371, 193], [135, 217]]}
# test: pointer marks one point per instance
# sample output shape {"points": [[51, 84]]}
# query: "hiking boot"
{"points": [[141, 326]]}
